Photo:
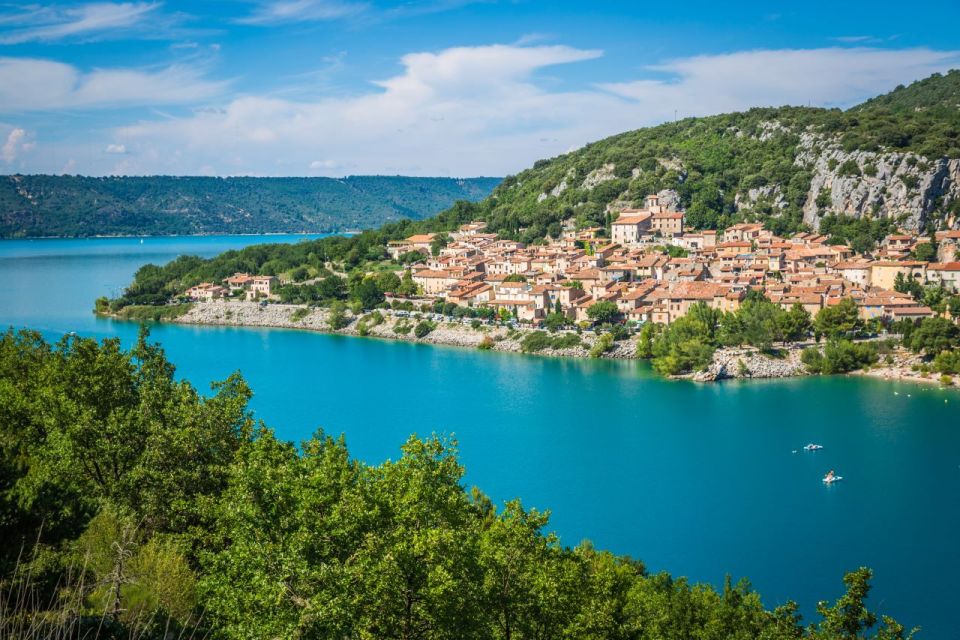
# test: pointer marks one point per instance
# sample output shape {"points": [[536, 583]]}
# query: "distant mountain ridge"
{"points": [[76, 206]]}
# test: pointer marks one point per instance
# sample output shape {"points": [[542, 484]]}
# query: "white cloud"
{"points": [[119, 149], [318, 165], [45, 24], [854, 39], [13, 145], [484, 110], [28, 84], [822, 77], [271, 12], [286, 11]]}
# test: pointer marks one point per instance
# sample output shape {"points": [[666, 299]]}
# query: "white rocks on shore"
{"points": [[290, 316], [750, 363]]}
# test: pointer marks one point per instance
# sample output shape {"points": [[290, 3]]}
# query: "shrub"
{"points": [[486, 344], [946, 380], [373, 319], [850, 168], [423, 328], [947, 362], [337, 318], [566, 341], [154, 313], [299, 314], [603, 344], [402, 328], [535, 341], [910, 181], [812, 357], [839, 356]]}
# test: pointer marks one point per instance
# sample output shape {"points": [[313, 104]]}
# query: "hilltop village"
{"points": [[654, 270]]}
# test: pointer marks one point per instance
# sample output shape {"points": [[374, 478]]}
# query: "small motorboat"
{"points": [[812, 447], [831, 477]]}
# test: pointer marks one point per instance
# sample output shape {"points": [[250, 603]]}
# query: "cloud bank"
{"points": [[29, 84]]}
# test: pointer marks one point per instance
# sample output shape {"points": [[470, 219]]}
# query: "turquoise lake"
{"points": [[698, 480]]}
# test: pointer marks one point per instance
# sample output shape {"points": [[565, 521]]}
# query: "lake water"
{"points": [[698, 480]]}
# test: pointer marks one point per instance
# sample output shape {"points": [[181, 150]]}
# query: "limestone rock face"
{"points": [[599, 176], [770, 193], [902, 186], [670, 199]]}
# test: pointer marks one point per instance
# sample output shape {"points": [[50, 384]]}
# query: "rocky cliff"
{"points": [[905, 186]]}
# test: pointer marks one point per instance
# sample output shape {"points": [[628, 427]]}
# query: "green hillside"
{"points": [[712, 165], [711, 161], [33, 206]]}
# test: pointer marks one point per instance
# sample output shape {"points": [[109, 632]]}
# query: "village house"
{"points": [[205, 292], [433, 282], [883, 274], [944, 274], [420, 242], [238, 282], [262, 287]]}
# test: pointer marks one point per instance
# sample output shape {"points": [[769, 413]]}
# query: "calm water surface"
{"points": [[698, 480]]}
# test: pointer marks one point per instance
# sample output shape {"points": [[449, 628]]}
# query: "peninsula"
{"points": [[717, 247]]}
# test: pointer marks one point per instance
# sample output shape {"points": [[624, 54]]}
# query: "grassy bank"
{"points": [[148, 313]]}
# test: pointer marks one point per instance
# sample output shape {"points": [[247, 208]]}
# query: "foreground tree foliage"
{"points": [[133, 506]]}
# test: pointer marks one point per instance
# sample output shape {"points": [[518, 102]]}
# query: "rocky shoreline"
{"points": [[457, 334], [750, 363], [728, 363]]}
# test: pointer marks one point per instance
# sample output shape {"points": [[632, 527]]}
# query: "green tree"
{"points": [[332, 288], [688, 343], [555, 321], [337, 317], [840, 320], [368, 293], [645, 340], [603, 312], [905, 284], [407, 286], [934, 335], [795, 324]]}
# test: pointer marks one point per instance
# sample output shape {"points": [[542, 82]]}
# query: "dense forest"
{"points": [[134, 506], [37, 205]]}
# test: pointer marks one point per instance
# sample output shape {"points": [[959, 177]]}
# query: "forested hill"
{"points": [[39, 205], [896, 156]]}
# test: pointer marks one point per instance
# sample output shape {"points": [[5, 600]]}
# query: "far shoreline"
{"points": [[351, 232], [725, 366]]}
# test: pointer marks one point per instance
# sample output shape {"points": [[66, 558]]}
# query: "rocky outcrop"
{"points": [[599, 176], [669, 198], [903, 186], [750, 363], [771, 194]]}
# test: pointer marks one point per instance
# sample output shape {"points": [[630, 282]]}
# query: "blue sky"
{"points": [[424, 87]]}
